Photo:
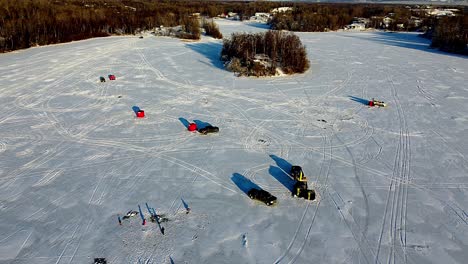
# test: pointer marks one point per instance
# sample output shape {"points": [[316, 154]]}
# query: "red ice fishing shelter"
{"points": [[111, 77], [192, 127], [140, 114]]}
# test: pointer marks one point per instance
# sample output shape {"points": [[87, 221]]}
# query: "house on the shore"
{"points": [[261, 17], [356, 26]]}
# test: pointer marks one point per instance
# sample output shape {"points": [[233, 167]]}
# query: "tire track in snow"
{"points": [[323, 189], [453, 148], [424, 93], [2, 146], [358, 236], [324, 186], [49, 177], [58, 86], [293, 240], [452, 205], [398, 190], [27, 66], [431, 99], [203, 173], [34, 164], [68, 243], [366, 204]]}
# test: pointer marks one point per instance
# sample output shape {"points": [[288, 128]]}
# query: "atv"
{"points": [[374, 102], [208, 129], [262, 195]]}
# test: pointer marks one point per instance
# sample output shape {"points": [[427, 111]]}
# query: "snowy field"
{"points": [[392, 182]]}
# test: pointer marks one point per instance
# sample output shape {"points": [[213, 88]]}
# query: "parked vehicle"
{"points": [[374, 102], [100, 261], [262, 196], [301, 189], [297, 173], [208, 129]]}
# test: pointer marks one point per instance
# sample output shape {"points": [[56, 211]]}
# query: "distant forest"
{"points": [[29, 23]]}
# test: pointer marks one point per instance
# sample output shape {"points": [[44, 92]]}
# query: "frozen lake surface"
{"points": [[392, 182]]}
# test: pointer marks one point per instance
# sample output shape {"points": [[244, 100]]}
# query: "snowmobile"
{"points": [[262, 195], [100, 261], [208, 129], [130, 214], [374, 102]]}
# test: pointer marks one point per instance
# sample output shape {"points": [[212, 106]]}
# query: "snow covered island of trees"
{"points": [[264, 54]]}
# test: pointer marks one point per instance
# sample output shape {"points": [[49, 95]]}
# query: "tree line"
{"points": [[447, 33], [451, 34], [28, 23]]}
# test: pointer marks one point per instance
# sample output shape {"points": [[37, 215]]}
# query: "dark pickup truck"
{"points": [[262, 195], [208, 129]]}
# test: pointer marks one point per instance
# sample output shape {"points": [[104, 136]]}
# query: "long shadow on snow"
{"points": [[282, 163], [359, 100], [185, 204], [282, 177], [243, 183], [258, 25], [403, 40], [211, 50], [135, 109], [184, 122], [201, 124]]}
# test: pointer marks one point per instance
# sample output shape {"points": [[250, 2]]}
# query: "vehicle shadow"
{"points": [[243, 183], [184, 122], [282, 177], [210, 50], [201, 124], [282, 163], [359, 100], [135, 109]]}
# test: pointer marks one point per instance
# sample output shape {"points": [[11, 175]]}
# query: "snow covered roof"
{"points": [[281, 9]]}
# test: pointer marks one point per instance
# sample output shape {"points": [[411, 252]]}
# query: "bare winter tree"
{"points": [[211, 29], [261, 54]]}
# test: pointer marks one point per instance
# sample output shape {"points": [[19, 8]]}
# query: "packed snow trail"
{"points": [[73, 155]]}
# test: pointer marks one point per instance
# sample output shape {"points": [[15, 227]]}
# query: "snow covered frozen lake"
{"points": [[392, 182]]}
